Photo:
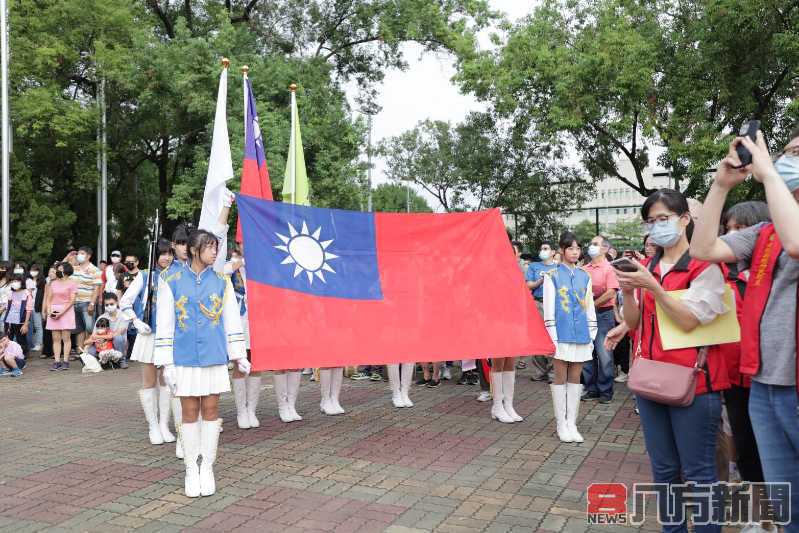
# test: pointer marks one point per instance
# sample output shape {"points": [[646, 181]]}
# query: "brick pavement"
{"points": [[76, 458]]}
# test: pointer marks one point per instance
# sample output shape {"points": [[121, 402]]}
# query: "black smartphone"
{"points": [[624, 264], [747, 130]]}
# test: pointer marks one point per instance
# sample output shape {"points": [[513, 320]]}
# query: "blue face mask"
{"points": [[788, 168], [665, 234]]}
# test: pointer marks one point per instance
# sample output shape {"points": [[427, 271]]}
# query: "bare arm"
{"points": [[605, 297]]}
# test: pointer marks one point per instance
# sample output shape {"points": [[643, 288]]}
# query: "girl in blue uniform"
{"points": [[154, 394], [198, 332], [570, 319]]}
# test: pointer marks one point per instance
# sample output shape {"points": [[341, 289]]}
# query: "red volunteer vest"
{"points": [[761, 276], [731, 352], [714, 378]]}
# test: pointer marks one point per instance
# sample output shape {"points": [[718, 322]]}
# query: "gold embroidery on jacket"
{"points": [[180, 305], [215, 312]]}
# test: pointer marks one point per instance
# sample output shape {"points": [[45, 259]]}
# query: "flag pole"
{"points": [[245, 73], [293, 89], [6, 127]]}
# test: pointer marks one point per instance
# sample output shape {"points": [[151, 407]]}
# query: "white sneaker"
{"points": [[406, 400], [397, 400], [484, 396], [621, 378]]}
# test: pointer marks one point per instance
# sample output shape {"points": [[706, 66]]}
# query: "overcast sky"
{"points": [[424, 91]]}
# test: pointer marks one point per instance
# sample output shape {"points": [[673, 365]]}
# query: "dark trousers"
{"points": [[621, 354], [14, 333], [484, 384], [737, 401]]}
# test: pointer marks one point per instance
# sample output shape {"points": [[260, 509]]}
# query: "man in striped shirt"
{"points": [[90, 282]]}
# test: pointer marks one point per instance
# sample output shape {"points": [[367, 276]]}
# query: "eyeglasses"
{"points": [[660, 220]]}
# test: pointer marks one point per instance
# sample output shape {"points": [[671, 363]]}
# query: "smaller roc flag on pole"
{"points": [[254, 173], [220, 169], [295, 184]]}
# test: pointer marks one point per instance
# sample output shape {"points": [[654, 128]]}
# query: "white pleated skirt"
{"points": [[201, 380], [143, 348], [574, 353]]}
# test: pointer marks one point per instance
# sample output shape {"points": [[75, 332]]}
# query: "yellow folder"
{"points": [[722, 330]]}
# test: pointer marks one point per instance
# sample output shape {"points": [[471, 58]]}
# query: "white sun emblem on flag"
{"points": [[306, 252]]}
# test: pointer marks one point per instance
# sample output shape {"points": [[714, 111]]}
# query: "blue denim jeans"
{"points": [[775, 419], [84, 320], [598, 374], [35, 330], [681, 443]]}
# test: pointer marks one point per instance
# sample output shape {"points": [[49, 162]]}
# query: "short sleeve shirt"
{"points": [[14, 349], [536, 272], [777, 345], [603, 277], [87, 278], [117, 323]]}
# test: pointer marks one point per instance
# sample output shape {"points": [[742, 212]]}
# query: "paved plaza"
{"points": [[76, 458]]}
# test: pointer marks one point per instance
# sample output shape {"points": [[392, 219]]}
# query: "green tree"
{"points": [[611, 78], [585, 230], [485, 163], [393, 198], [625, 235], [160, 63]]}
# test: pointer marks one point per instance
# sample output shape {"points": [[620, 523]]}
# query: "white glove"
{"points": [[141, 327], [228, 197], [244, 366], [170, 378]]}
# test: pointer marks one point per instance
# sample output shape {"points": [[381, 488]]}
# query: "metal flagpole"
{"points": [[103, 252], [369, 169], [293, 89], [6, 127]]}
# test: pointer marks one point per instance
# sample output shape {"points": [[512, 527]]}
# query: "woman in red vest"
{"points": [[769, 321], [680, 441]]}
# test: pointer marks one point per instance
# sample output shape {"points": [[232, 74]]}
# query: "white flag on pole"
{"points": [[220, 169]]}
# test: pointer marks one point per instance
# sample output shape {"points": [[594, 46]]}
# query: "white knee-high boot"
{"points": [[559, 406], [498, 409], [240, 397], [407, 370], [281, 391], [190, 435], [149, 403], [573, 393], [337, 377], [395, 384], [177, 414], [325, 380], [293, 380], [164, 407], [253, 395], [508, 386], [209, 440]]}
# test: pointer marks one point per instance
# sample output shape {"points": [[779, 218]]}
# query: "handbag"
{"points": [[658, 381]]}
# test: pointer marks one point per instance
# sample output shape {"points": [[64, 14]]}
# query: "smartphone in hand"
{"points": [[749, 130], [624, 264]]}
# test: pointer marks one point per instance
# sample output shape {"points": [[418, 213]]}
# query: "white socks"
{"points": [[395, 384], [149, 403], [406, 369], [330, 380], [508, 386], [497, 409], [246, 392], [253, 395]]}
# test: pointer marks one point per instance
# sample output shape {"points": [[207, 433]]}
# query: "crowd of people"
{"points": [[186, 323]]}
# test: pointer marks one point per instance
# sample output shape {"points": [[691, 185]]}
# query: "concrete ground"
{"points": [[75, 457]]}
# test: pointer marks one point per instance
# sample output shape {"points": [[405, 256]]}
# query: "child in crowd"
{"points": [[18, 311], [102, 338], [12, 359]]}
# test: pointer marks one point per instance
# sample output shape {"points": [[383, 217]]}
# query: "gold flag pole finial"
{"points": [[293, 87], [245, 70], [225, 62]]}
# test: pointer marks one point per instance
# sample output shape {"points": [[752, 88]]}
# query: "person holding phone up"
{"points": [[681, 441], [770, 319]]}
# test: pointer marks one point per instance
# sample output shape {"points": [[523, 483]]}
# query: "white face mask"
{"points": [[16, 285], [81, 258], [18, 271], [593, 251], [115, 259], [34, 273], [544, 255], [110, 307]]}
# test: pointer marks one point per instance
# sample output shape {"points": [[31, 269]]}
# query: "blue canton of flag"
{"points": [[324, 252]]}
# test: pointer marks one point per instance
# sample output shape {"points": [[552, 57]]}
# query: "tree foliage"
{"points": [[483, 163], [393, 198], [160, 61], [615, 79]]}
